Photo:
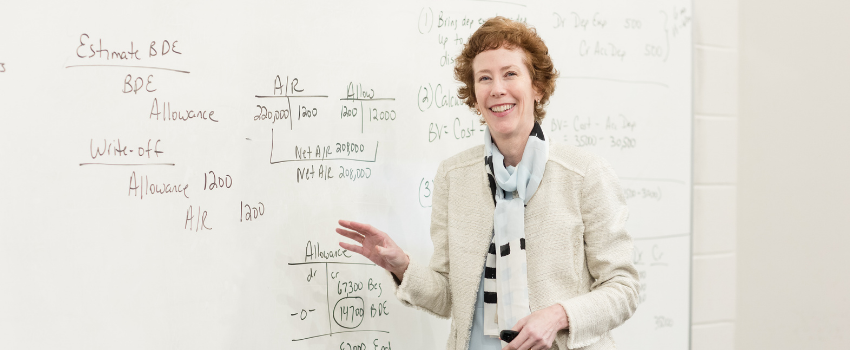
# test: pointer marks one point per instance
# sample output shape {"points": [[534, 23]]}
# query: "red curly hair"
{"points": [[500, 32]]}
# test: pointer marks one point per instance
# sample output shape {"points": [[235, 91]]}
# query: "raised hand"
{"points": [[375, 245]]}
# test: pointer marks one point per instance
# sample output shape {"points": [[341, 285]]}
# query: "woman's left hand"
{"points": [[537, 331]]}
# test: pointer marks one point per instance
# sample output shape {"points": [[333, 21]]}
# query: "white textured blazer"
{"points": [[579, 253]]}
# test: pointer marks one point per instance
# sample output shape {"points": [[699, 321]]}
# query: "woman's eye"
{"points": [[483, 78], [510, 74]]}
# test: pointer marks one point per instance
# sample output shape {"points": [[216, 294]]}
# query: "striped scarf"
{"points": [[505, 271]]}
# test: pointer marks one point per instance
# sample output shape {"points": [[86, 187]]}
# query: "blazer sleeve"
{"points": [[427, 287], [613, 295]]}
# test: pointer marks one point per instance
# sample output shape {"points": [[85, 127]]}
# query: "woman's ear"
{"points": [[537, 94]]}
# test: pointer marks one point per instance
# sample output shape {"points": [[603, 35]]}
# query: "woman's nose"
{"points": [[498, 88]]}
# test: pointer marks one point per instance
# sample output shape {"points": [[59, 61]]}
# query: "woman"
{"points": [[535, 230]]}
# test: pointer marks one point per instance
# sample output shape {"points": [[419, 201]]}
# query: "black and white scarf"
{"points": [[505, 271]]}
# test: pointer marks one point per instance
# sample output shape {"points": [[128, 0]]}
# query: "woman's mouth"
{"points": [[502, 108]]}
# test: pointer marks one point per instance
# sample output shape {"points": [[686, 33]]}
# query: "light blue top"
{"points": [[477, 339]]}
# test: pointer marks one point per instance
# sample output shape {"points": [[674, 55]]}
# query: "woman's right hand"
{"points": [[376, 246]]}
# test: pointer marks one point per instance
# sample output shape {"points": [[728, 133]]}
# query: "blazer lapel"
{"points": [[484, 208]]}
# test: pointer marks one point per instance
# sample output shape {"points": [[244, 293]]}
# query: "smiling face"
{"points": [[504, 93]]}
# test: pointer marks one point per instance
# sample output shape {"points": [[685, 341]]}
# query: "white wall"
{"points": [[715, 174], [793, 286]]}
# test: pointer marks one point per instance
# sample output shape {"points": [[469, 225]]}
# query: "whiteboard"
{"points": [[173, 172]]}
